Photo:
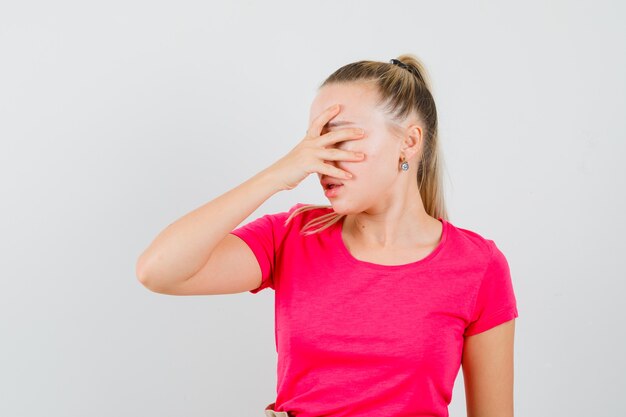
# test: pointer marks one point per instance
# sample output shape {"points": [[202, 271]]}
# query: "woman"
{"points": [[379, 298]]}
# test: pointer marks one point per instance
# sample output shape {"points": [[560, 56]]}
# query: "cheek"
{"points": [[378, 158], [369, 172]]}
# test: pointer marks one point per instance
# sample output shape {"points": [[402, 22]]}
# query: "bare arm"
{"points": [[488, 372], [184, 246], [197, 254]]}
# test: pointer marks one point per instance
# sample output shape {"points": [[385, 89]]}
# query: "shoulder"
{"points": [[471, 244]]}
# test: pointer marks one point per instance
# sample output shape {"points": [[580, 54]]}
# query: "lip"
{"points": [[333, 192], [326, 182]]}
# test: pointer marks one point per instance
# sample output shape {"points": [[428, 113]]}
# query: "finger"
{"points": [[320, 121], [332, 171], [333, 154], [330, 138]]}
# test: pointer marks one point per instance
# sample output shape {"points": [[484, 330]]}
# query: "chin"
{"points": [[341, 207]]}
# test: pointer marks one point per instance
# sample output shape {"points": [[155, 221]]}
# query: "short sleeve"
{"points": [[495, 301], [263, 236]]}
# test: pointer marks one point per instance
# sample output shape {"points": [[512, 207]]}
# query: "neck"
{"points": [[392, 226]]}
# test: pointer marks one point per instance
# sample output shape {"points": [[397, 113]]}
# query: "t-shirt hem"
{"points": [[259, 253], [504, 315]]}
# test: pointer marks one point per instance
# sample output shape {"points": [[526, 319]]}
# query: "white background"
{"points": [[119, 117]]}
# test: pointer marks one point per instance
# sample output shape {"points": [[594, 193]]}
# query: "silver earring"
{"points": [[404, 165]]}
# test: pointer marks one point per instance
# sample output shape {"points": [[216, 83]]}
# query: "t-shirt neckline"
{"points": [[348, 256]]}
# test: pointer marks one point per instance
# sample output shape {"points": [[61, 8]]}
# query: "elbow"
{"points": [[148, 279], [149, 284], [142, 274]]}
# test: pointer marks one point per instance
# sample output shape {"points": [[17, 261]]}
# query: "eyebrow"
{"points": [[339, 123]]}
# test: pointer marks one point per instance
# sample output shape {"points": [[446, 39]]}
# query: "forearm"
{"points": [[184, 246]]}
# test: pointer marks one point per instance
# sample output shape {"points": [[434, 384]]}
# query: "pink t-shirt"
{"points": [[356, 338]]}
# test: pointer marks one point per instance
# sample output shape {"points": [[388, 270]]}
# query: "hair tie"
{"points": [[400, 64]]}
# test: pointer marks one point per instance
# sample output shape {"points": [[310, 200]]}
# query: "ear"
{"points": [[413, 141]]}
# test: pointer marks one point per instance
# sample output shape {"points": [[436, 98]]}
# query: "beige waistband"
{"points": [[270, 412]]}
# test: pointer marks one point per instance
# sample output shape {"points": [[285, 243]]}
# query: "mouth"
{"points": [[328, 185], [332, 190]]}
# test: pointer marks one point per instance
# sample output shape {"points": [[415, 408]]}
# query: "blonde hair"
{"points": [[402, 93]]}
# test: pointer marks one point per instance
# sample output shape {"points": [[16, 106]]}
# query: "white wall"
{"points": [[118, 117]]}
